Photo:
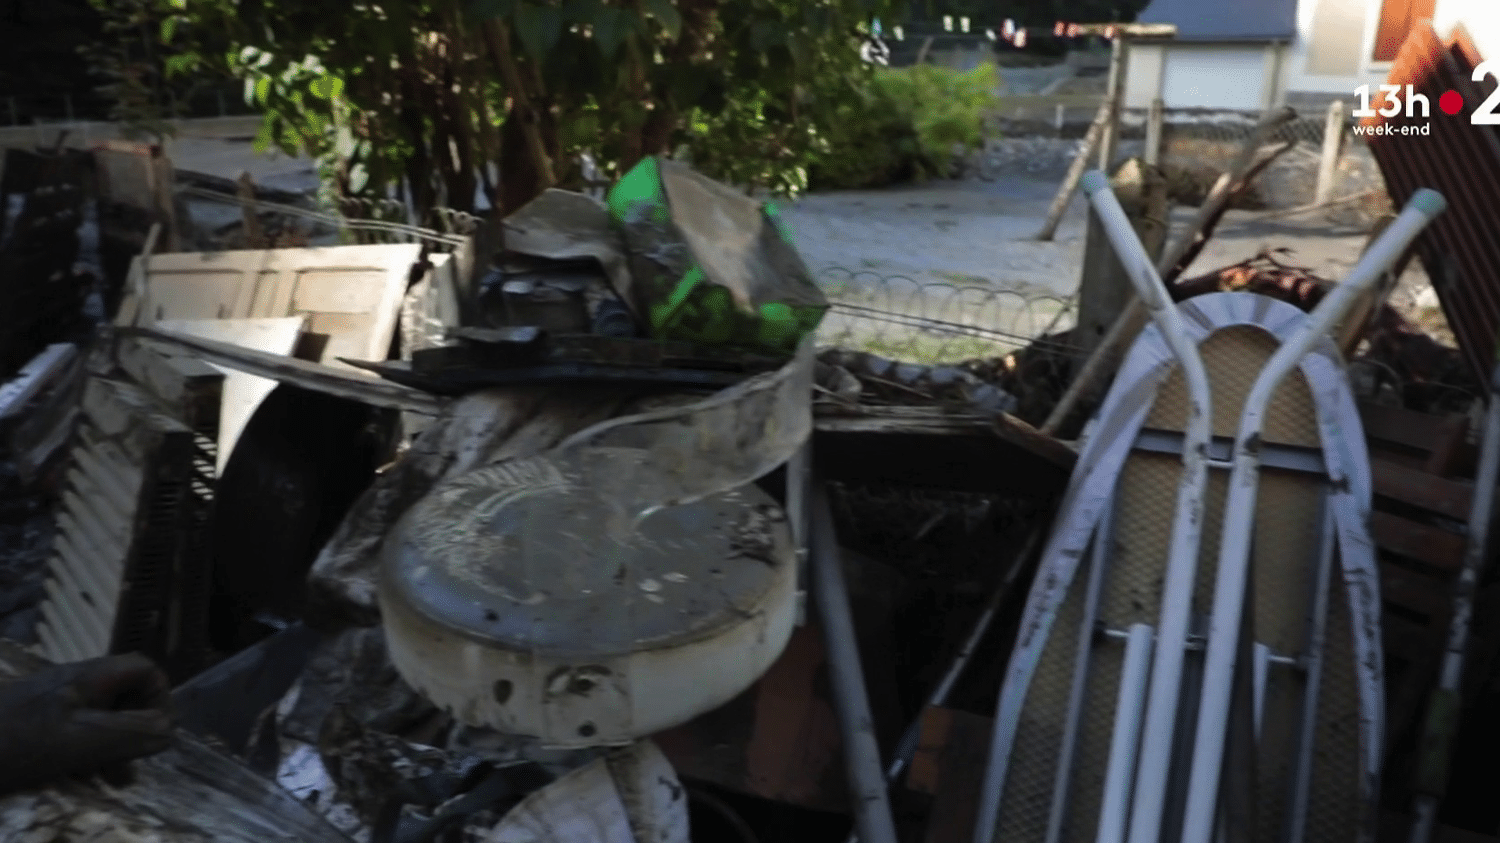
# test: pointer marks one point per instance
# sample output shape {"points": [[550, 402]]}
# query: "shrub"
{"points": [[904, 125]]}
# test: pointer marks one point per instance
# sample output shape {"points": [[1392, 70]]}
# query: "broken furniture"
{"points": [[1086, 740], [319, 304]]}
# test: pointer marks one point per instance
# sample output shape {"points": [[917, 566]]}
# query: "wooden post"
{"points": [[1155, 122], [1104, 290], [1075, 172], [1333, 141], [1115, 96], [1129, 322]]}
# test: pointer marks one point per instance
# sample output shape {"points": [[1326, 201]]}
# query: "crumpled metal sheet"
{"points": [[630, 796], [718, 444]]}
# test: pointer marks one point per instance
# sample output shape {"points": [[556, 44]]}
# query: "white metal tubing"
{"points": [[1068, 753], [1187, 528], [1262, 670], [1481, 508], [867, 790], [1126, 741], [1317, 628], [1239, 510]]}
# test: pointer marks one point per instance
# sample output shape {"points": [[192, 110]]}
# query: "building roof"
{"points": [[1237, 20]]}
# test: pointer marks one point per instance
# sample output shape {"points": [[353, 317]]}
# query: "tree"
{"points": [[444, 98]]}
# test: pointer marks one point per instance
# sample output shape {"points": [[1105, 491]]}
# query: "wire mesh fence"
{"points": [[936, 322]]}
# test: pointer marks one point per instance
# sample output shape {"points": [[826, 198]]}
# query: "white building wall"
{"points": [[1214, 76], [1480, 17], [1252, 76]]}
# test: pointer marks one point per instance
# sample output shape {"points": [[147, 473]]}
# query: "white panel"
{"points": [[242, 392], [352, 293], [1142, 74], [1215, 77]]}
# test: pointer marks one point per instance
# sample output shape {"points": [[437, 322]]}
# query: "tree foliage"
{"points": [[448, 97]]}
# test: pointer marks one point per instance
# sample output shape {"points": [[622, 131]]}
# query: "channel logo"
{"points": [[1407, 102]]}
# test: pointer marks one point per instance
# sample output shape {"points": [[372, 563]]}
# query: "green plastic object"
{"points": [[709, 264]]}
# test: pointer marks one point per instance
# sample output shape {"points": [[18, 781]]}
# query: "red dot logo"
{"points": [[1450, 102]]}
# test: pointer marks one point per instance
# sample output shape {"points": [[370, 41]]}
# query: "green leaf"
{"points": [[665, 12], [327, 87], [168, 28], [180, 64], [263, 89], [609, 31], [180, 5], [265, 136], [490, 9], [538, 27]]}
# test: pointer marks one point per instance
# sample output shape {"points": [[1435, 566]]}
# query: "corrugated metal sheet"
{"points": [[127, 572], [1461, 250]]}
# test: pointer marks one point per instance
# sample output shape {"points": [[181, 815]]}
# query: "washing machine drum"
{"points": [[551, 598]]}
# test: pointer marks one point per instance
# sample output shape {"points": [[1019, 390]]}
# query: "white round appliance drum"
{"points": [[549, 598]]}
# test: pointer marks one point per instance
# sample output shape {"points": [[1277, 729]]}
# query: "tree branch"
{"points": [[497, 34]]}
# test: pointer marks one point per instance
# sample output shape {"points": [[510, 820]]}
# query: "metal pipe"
{"points": [[1239, 510], [1067, 754], [1187, 526], [944, 687], [867, 789], [1480, 513], [1317, 626], [1125, 744], [907, 746]]}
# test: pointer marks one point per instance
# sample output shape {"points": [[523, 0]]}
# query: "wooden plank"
{"points": [[1399, 426], [949, 762], [1449, 498], [1427, 595], [1448, 445], [1431, 545], [925, 446]]}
